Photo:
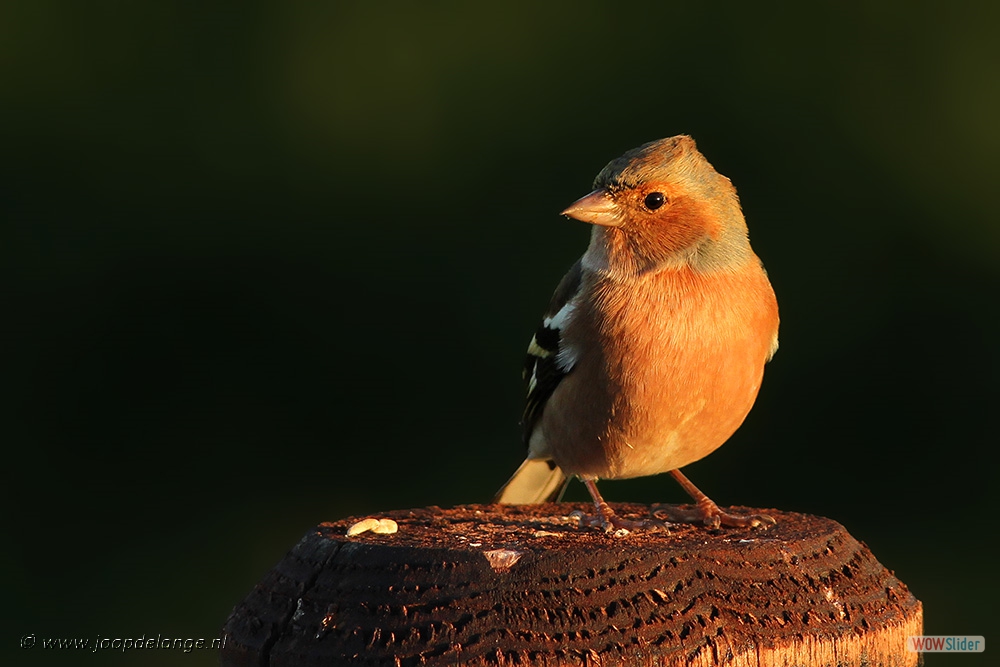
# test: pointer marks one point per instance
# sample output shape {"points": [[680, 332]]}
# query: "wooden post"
{"points": [[523, 585]]}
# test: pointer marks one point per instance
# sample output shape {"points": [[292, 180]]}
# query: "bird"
{"points": [[652, 350]]}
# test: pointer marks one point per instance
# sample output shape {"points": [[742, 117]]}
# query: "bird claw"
{"points": [[711, 515], [612, 524]]}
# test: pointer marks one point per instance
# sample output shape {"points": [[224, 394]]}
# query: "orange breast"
{"points": [[667, 370]]}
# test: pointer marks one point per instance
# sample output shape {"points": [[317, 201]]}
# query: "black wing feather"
{"points": [[541, 371]]}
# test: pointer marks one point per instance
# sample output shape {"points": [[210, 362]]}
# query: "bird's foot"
{"points": [[611, 523], [708, 513]]}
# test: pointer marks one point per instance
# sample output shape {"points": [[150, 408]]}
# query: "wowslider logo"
{"points": [[945, 644]]}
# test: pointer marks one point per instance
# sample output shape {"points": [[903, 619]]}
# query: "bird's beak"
{"points": [[596, 208]]}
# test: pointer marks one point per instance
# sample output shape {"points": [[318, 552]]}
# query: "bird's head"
{"points": [[662, 205]]}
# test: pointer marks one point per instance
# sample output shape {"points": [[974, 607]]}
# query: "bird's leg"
{"points": [[607, 520], [707, 512]]}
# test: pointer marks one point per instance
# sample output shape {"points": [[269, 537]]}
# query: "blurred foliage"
{"points": [[268, 264]]}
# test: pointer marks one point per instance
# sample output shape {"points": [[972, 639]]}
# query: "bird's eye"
{"points": [[654, 200]]}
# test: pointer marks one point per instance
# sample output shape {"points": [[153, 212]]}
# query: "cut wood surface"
{"points": [[523, 585]]}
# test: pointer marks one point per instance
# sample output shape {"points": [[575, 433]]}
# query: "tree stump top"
{"points": [[523, 585]]}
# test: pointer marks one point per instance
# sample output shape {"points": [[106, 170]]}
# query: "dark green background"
{"points": [[265, 265]]}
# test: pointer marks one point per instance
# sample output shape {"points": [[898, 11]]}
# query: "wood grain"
{"points": [[523, 585]]}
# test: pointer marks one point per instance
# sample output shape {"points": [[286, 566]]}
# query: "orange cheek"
{"points": [[685, 223]]}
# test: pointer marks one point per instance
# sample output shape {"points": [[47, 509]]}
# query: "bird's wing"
{"points": [[544, 366]]}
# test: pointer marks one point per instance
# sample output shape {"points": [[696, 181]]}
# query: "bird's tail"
{"points": [[536, 481]]}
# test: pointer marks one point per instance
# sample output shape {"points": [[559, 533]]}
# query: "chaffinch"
{"points": [[653, 347]]}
